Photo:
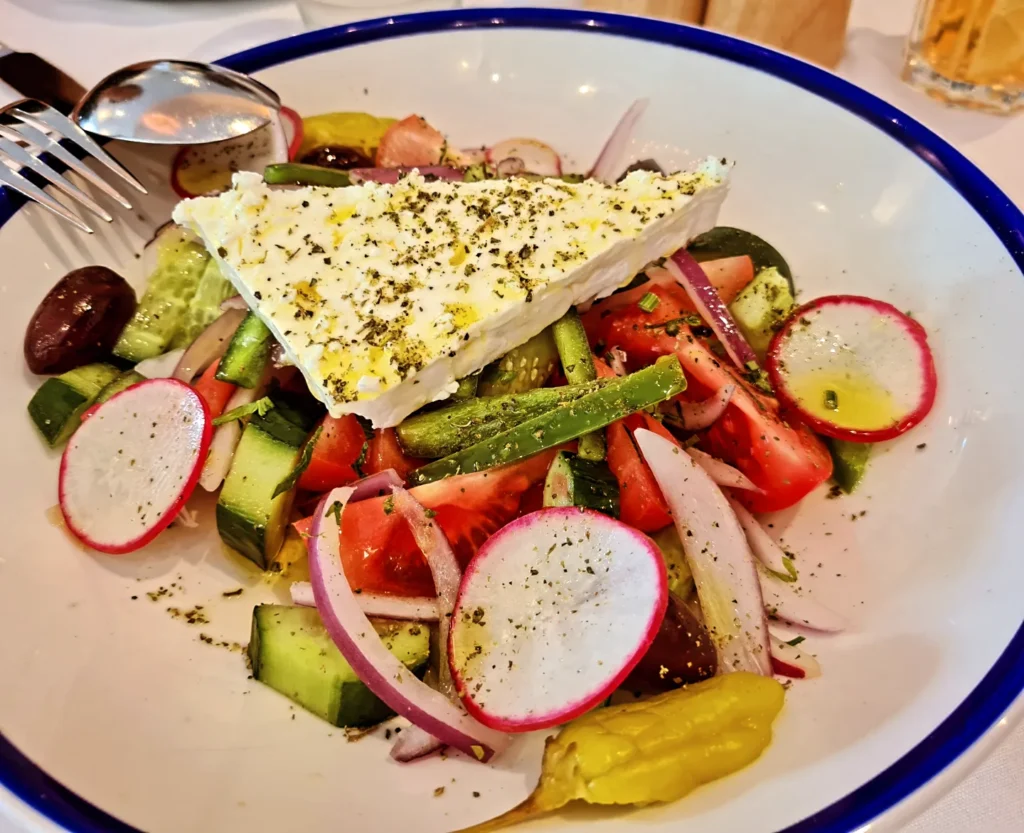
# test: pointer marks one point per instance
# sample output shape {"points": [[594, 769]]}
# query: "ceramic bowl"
{"points": [[117, 715]]}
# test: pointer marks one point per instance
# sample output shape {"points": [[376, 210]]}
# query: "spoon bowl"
{"points": [[169, 102]]}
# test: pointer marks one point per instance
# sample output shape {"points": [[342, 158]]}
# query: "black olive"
{"points": [[337, 156]]}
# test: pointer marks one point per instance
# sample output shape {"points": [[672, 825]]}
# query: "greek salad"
{"points": [[521, 423]]}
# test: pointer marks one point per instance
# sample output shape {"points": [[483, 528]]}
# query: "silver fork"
{"points": [[28, 128]]}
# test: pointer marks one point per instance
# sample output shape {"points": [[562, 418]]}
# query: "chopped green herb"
{"points": [[649, 302], [289, 482], [389, 505], [260, 406], [430, 513], [361, 459], [794, 642], [831, 400], [758, 378], [335, 509]]}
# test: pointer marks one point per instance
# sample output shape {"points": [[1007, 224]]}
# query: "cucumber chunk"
{"points": [[292, 653], [160, 314], [849, 462], [57, 406], [575, 481], [522, 368], [762, 308], [122, 382], [246, 357], [204, 308]]}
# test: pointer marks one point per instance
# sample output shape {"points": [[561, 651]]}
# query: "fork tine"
{"points": [[16, 182], [23, 131], [22, 157], [40, 116]]}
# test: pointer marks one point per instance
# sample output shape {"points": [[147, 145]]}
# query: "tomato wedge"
{"points": [[410, 143], [379, 552], [640, 502], [214, 392], [338, 455], [781, 455], [385, 452]]}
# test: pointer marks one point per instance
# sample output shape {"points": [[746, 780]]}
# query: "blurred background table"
{"points": [[87, 38]]}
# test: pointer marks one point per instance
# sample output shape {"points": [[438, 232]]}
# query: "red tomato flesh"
{"points": [[385, 452], [338, 455], [214, 392]]}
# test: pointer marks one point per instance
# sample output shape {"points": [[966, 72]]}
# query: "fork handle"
{"points": [[34, 77]]}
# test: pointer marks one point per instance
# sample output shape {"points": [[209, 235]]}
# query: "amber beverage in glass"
{"points": [[969, 52]]}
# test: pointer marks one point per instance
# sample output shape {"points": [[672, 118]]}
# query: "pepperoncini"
{"points": [[654, 750]]}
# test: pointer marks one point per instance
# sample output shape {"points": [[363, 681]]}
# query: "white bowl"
{"points": [[109, 698]]}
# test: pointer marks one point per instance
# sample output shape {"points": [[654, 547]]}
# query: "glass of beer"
{"points": [[969, 52]]}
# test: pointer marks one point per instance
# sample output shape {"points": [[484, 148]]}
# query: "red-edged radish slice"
{"points": [[293, 130], [611, 161], [711, 307], [380, 605], [130, 467], [793, 660], [555, 610], [765, 548], [537, 157], [201, 169], [721, 472], [790, 603], [854, 368], [380, 670], [724, 570]]}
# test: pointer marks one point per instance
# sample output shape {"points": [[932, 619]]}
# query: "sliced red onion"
{"points": [[611, 161], [721, 472], [389, 176], [208, 347], [378, 669], [378, 605], [414, 743], [724, 570], [793, 660], [225, 440], [617, 361], [710, 307], [234, 302], [764, 547], [375, 485], [703, 414], [510, 166], [786, 601]]}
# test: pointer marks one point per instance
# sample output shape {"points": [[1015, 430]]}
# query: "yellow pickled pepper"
{"points": [[654, 750]]}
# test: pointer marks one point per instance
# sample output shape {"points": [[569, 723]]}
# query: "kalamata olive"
{"points": [[79, 320], [681, 653], [337, 156]]}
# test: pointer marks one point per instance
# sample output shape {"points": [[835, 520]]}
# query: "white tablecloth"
{"points": [[87, 38]]}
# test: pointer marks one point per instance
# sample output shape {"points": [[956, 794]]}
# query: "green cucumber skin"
{"points": [[578, 366], [619, 398], [575, 481], [447, 430], [56, 408], [291, 652], [122, 382], [247, 354], [849, 462], [204, 308]]}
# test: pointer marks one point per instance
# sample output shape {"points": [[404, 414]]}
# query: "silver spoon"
{"points": [[176, 103]]}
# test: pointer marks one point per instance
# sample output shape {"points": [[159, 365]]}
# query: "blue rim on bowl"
{"points": [[1005, 680]]}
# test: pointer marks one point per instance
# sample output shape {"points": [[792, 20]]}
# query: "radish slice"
{"points": [[698, 415], [378, 669], [724, 570], [379, 605], [721, 472], [389, 176], [784, 600], [854, 368], [764, 547], [294, 132], [130, 467], [209, 346], [201, 169], [792, 660], [711, 308], [510, 166], [225, 440], [537, 157], [610, 162], [554, 612]]}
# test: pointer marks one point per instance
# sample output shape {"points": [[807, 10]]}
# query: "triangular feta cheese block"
{"points": [[384, 295]]}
